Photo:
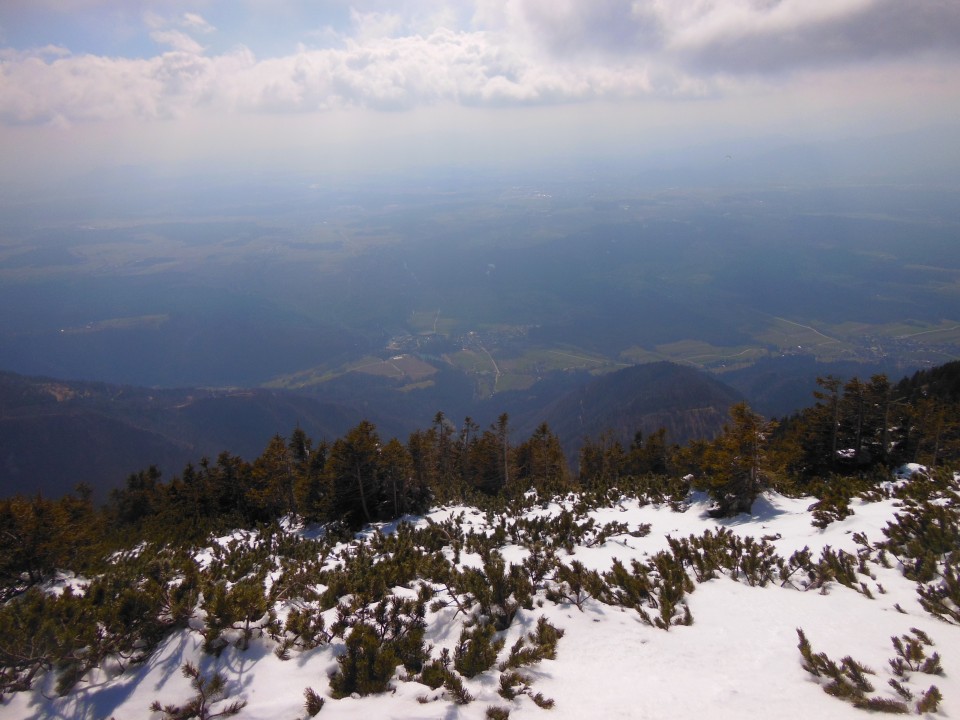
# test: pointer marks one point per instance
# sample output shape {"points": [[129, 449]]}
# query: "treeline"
{"points": [[357, 479], [856, 430]]}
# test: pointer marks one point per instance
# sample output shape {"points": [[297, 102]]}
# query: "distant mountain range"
{"points": [[689, 403], [55, 434]]}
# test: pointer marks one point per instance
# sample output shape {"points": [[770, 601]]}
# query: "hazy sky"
{"points": [[330, 83]]}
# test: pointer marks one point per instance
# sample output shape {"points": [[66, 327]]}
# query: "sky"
{"points": [[332, 85]]}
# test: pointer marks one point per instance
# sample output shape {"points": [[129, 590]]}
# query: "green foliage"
{"points": [[540, 464], [209, 692], [313, 703], [367, 665], [513, 684], [574, 584], [477, 649], [434, 673], [536, 646], [660, 584], [134, 598], [886, 705], [712, 553], [921, 536], [123, 614], [942, 599], [912, 656], [735, 464], [37, 536], [929, 702], [834, 501], [499, 591], [509, 684], [242, 606], [848, 679], [454, 685]]}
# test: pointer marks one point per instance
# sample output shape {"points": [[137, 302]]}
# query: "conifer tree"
{"points": [[424, 459], [601, 461], [313, 490], [354, 467], [540, 463], [735, 463], [648, 455], [272, 477], [396, 467]]}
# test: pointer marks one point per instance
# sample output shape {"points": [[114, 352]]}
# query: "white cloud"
{"points": [[517, 52], [386, 74], [375, 25], [178, 41], [193, 21]]}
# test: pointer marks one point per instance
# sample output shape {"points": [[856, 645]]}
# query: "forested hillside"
{"points": [[101, 432]]}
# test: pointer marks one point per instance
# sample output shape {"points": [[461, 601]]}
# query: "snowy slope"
{"points": [[738, 659]]}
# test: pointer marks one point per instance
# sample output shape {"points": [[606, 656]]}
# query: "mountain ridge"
{"points": [[105, 432]]}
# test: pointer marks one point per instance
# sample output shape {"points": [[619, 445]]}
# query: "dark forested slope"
{"points": [[55, 434]]}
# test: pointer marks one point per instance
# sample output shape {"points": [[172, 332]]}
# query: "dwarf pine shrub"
{"points": [[911, 655], [848, 680], [367, 665], [454, 685], [942, 598], [209, 692], [313, 703], [534, 647], [476, 650], [834, 500], [434, 673], [574, 584], [929, 702]]}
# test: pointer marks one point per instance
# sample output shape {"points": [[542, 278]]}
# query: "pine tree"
{"points": [[602, 461], [735, 463], [395, 470], [354, 467], [272, 477], [541, 464], [648, 456]]}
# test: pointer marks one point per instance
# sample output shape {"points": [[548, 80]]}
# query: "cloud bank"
{"points": [[516, 52]]}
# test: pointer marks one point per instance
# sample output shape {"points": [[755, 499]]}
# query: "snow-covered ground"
{"points": [[739, 658]]}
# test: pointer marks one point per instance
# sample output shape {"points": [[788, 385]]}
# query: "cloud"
{"points": [[609, 27], [375, 25], [193, 21], [178, 41], [386, 74], [514, 52], [751, 36]]}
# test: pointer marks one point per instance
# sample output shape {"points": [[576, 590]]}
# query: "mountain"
{"points": [[941, 382], [779, 386], [55, 434], [687, 402]]}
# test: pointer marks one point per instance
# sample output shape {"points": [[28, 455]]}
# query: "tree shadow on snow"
{"points": [[101, 699], [763, 510]]}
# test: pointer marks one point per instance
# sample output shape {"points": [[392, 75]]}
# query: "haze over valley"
{"points": [[474, 208]]}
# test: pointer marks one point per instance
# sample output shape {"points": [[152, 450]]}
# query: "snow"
{"points": [[738, 659]]}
